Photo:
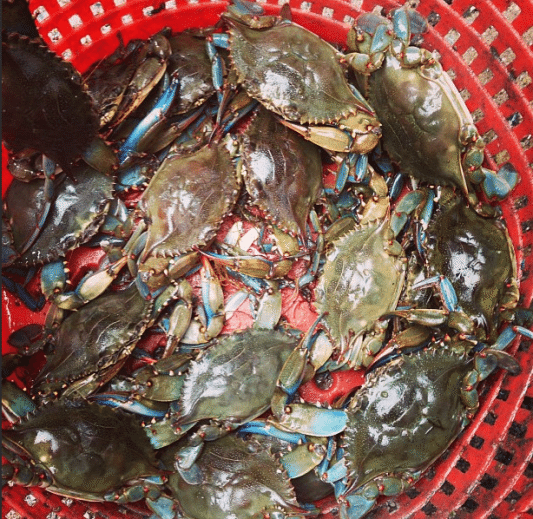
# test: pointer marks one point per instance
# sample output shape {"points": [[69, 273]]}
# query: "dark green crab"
{"points": [[298, 76], [405, 416], [237, 480], [427, 127], [80, 450]]}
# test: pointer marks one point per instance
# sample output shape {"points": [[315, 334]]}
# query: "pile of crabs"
{"points": [[217, 169]]}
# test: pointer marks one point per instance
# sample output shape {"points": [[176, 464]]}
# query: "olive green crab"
{"points": [[405, 416], [362, 279], [79, 450], [472, 262], [235, 480], [427, 127], [298, 76]]}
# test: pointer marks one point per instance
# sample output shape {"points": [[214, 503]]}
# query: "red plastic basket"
{"points": [[486, 47]]}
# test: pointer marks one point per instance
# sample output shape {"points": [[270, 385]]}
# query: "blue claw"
{"points": [[357, 505], [361, 167], [130, 145], [163, 507], [404, 208], [396, 184], [381, 40], [53, 278], [35, 305], [400, 23], [125, 402], [447, 291], [499, 184], [330, 450], [509, 334], [214, 41], [342, 173], [16, 403], [448, 295], [259, 427], [336, 472]]}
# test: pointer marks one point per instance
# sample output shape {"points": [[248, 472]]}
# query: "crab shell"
{"points": [[213, 391], [76, 214], [189, 59], [362, 280], [238, 481], [292, 72], [86, 450], [476, 254], [406, 415], [282, 172], [187, 199], [44, 102], [92, 343], [425, 121]]}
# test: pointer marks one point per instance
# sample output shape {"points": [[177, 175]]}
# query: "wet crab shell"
{"points": [[292, 72], [405, 415], [115, 449], [44, 102], [189, 59], [78, 209], [362, 280], [187, 199], [476, 254], [239, 481], [282, 172], [422, 119], [212, 389], [92, 343]]}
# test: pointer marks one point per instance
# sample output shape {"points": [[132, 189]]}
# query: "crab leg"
{"points": [[304, 418], [155, 116]]}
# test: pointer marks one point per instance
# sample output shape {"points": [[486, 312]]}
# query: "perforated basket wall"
{"points": [[486, 47]]}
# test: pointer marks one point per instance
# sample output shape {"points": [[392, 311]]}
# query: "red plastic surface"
{"points": [[487, 49]]}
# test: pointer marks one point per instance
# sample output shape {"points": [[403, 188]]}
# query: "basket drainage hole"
{"points": [[75, 21], [518, 430], [97, 9], [470, 505], [513, 497], [488, 482], [503, 456], [462, 465], [503, 394], [429, 509], [527, 226], [490, 418], [447, 488], [477, 442]]}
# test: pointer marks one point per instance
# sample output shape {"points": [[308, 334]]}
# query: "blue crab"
{"points": [[226, 401], [361, 280], [183, 206], [79, 450], [471, 260], [236, 479], [405, 416], [205, 393], [189, 58], [298, 76], [44, 102], [121, 83], [427, 127], [90, 345], [43, 232], [281, 171]]}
